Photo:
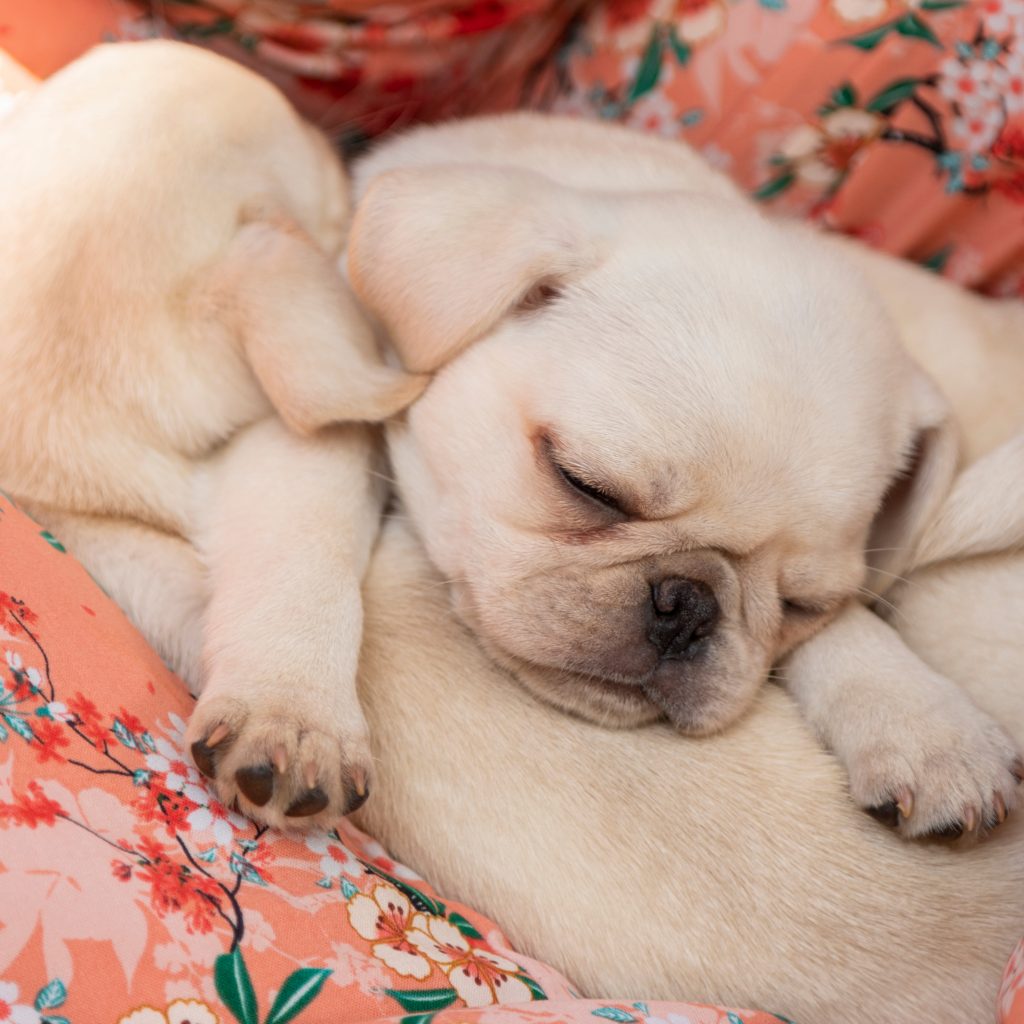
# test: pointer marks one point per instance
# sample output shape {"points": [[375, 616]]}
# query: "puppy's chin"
{"points": [[607, 703], [703, 699]]}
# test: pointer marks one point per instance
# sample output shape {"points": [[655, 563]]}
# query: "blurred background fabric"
{"points": [[898, 121]]}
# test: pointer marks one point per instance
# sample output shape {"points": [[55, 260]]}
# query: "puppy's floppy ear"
{"points": [[303, 334], [918, 491], [440, 254]]}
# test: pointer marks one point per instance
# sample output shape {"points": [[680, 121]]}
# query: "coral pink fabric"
{"points": [[900, 121], [353, 67], [129, 894]]}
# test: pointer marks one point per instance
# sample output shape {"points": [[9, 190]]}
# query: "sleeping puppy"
{"points": [[668, 444], [177, 344]]}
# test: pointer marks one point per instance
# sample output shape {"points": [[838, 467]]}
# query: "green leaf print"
{"points": [[300, 988], [19, 726], [870, 39], [52, 541], [52, 996], [650, 66], [893, 94], [913, 27], [234, 986], [423, 1000], [421, 901], [464, 926], [679, 48], [774, 186]]}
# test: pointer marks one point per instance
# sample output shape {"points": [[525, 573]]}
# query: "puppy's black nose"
{"points": [[682, 613]]}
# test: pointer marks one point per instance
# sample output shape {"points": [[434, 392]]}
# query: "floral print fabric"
{"points": [[353, 67], [900, 121], [130, 895]]}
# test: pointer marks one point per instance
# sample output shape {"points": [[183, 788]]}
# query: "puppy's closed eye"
{"points": [[797, 608], [592, 491], [580, 483]]}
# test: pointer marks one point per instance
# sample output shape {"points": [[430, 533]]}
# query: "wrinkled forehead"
{"points": [[764, 396]]}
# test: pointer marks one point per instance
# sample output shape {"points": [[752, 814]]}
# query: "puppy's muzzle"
{"points": [[682, 615]]}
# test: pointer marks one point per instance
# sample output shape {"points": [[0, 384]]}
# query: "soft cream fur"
{"points": [[642, 862], [169, 231], [645, 863], [611, 305]]}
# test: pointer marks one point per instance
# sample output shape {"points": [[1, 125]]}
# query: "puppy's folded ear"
{"points": [[919, 489], [302, 331], [440, 254]]}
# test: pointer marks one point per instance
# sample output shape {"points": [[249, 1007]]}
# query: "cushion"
{"points": [[130, 894], [899, 122]]}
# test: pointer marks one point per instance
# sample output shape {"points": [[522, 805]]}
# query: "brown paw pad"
{"points": [[205, 758], [887, 813], [356, 799], [256, 783], [313, 801]]}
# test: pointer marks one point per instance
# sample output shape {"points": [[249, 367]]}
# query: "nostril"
{"points": [[665, 596], [685, 611]]}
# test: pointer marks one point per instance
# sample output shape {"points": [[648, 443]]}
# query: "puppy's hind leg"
{"points": [[287, 527]]}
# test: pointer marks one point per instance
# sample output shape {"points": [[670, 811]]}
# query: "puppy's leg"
{"points": [[156, 578], [287, 527], [303, 334], [919, 753]]}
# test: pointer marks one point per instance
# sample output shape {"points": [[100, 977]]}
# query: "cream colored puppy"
{"points": [[669, 444], [176, 342]]}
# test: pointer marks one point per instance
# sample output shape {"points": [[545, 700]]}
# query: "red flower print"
{"points": [[14, 613], [51, 737], [1010, 144], [33, 809], [175, 887], [90, 721], [625, 12], [1012, 188], [131, 722], [156, 803], [481, 16], [121, 870]]}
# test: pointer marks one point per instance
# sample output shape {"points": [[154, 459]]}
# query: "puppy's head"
{"points": [[663, 438]]}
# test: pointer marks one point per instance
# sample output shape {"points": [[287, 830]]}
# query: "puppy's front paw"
{"points": [[951, 774], [284, 765]]}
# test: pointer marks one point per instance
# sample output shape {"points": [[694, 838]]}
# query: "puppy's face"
{"points": [[657, 473]]}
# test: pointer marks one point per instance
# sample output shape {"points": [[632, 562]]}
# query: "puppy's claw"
{"points": [[358, 793], [309, 774], [1000, 805], [218, 734], [1017, 770], [256, 783], [970, 820], [905, 802], [310, 803], [280, 759]]}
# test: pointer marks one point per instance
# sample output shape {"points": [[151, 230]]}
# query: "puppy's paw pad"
{"points": [[941, 784], [279, 765]]}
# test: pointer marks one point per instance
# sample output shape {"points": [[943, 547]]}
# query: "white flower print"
{"points": [[481, 978], [384, 918], [13, 1012], [335, 858]]}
